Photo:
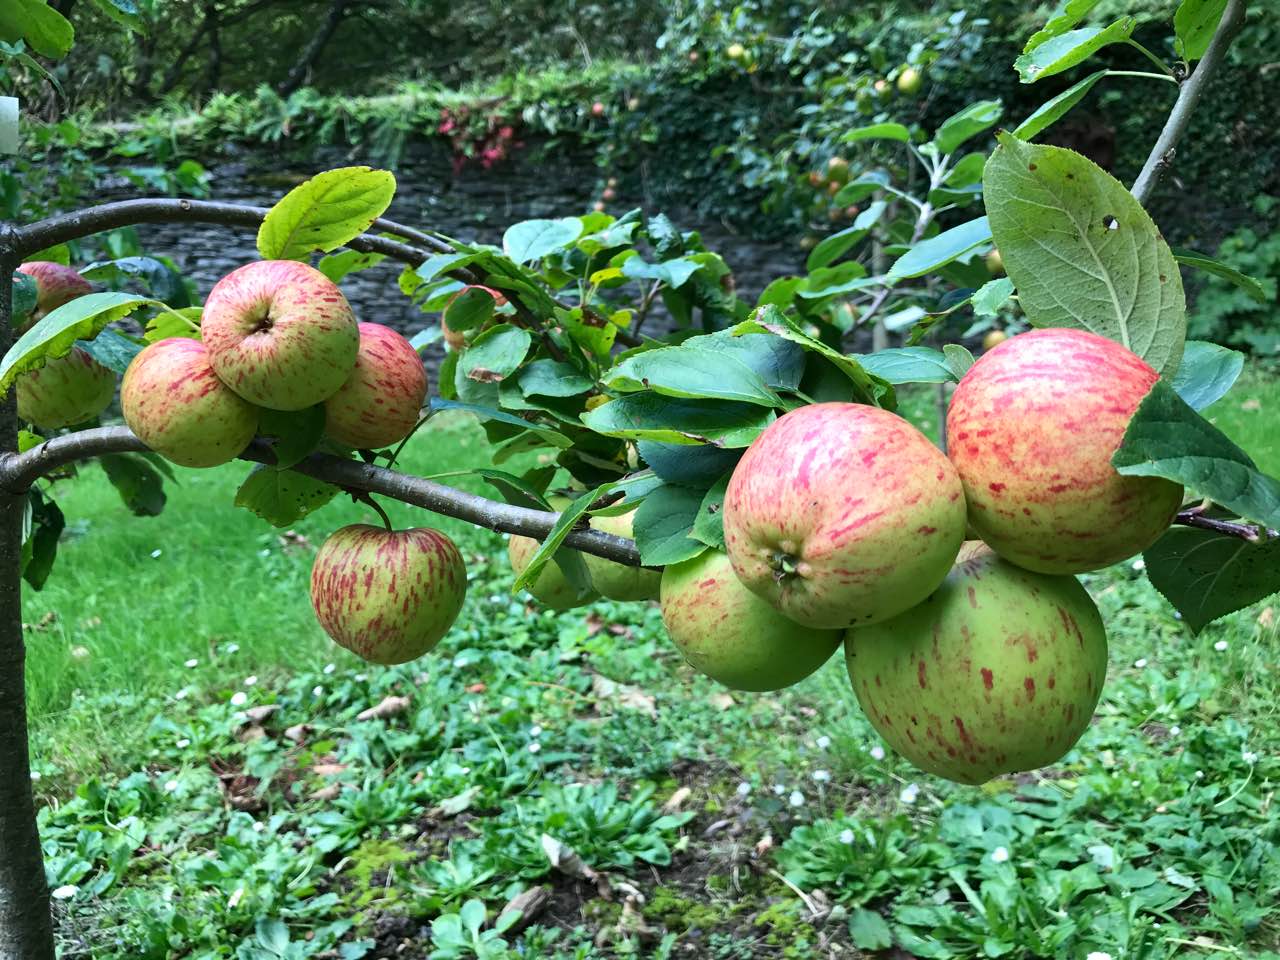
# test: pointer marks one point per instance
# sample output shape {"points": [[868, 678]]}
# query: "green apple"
{"points": [[998, 671], [552, 588], [65, 391], [388, 596], [618, 581], [910, 81], [728, 633]]}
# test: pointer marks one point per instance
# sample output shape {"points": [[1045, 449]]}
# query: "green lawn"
{"points": [[212, 833]]}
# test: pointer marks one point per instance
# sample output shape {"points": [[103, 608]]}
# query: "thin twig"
{"points": [[1253, 532]]}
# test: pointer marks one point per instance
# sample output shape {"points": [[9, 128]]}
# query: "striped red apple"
{"points": [[56, 284], [382, 399]]}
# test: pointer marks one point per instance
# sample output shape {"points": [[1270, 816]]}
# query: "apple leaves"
{"points": [[1206, 574], [325, 212], [1082, 251]]}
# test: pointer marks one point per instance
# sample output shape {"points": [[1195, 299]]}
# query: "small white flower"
{"points": [[317, 691], [877, 752], [35, 775], [183, 743], [535, 747], [535, 730], [329, 668], [155, 554], [170, 786], [233, 901], [1000, 855], [909, 793], [250, 681], [1220, 646], [192, 663], [744, 788], [779, 789], [1139, 565], [1140, 662], [846, 836], [239, 699], [1199, 774], [822, 776], [1098, 955], [1249, 757], [796, 799], [181, 694], [1175, 730], [233, 648], [66, 893], [258, 826], [823, 742]]}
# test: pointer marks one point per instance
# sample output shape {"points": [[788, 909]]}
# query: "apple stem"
{"points": [[363, 496]]}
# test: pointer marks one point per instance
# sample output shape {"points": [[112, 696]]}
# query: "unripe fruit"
{"points": [[816, 179], [995, 263], [736, 51], [619, 581], [910, 81], [280, 334], [838, 169], [387, 596], [993, 339], [56, 284], [1032, 428], [175, 404], [382, 399], [633, 103], [842, 514], [65, 391], [998, 671], [728, 633], [611, 182], [881, 87], [552, 588]]}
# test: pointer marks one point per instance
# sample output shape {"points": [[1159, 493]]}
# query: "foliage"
{"points": [[1227, 314]]}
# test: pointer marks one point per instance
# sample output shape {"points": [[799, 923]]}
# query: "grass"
{"points": [[182, 826]]}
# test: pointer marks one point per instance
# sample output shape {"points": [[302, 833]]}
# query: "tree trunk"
{"points": [[298, 75], [26, 932]]}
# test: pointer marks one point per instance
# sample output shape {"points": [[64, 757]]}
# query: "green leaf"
{"points": [[832, 281], [1206, 373], [1082, 251], [779, 362], [928, 255], [552, 378], [869, 931], [967, 171], [426, 337], [440, 263], [160, 280], [708, 525], [652, 416], [834, 247], [112, 349], [56, 333], [41, 547], [1051, 111], [878, 131], [569, 517], [1166, 438], [44, 29], [991, 296], [282, 497], [1248, 284], [294, 433], [908, 365], [1068, 14], [1194, 24], [123, 12], [773, 320], [473, 307], [553, 437], [663, 524], [1068, 49], [139, 484], [272, 934], [174, 323], [524, 491], [674, 273], [533, 239], [325, 212], [959, 360], [495, 354], [855, 191], [338, 265], [1206, 574], [691, 372], [26, 295], [968, 123]]}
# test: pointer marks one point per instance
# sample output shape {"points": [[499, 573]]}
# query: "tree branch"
{"points": [[1188, 96], [18, 471], [1195, 517]]}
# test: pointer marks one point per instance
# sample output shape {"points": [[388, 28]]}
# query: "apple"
{"points": [[910, 81], [817, 180], [382, 399], [65, 391], [618, 581], [611, 182], [175, 404], [881, 87], [388, 596], [838, 169], [995, 263], [1031, 430], [998, 671], [56, 284], [598, 206], [841, 514], [457, 339], [693, 56], [993, 339], [280, 334], [728, 633], [597, 109], [633, 103], [552, 588], [736, 52]]}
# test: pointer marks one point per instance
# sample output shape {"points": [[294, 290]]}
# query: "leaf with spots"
{"points": [[664, 523], [282, 497], [1206, 574], [1082, 252], [325, 212]]}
